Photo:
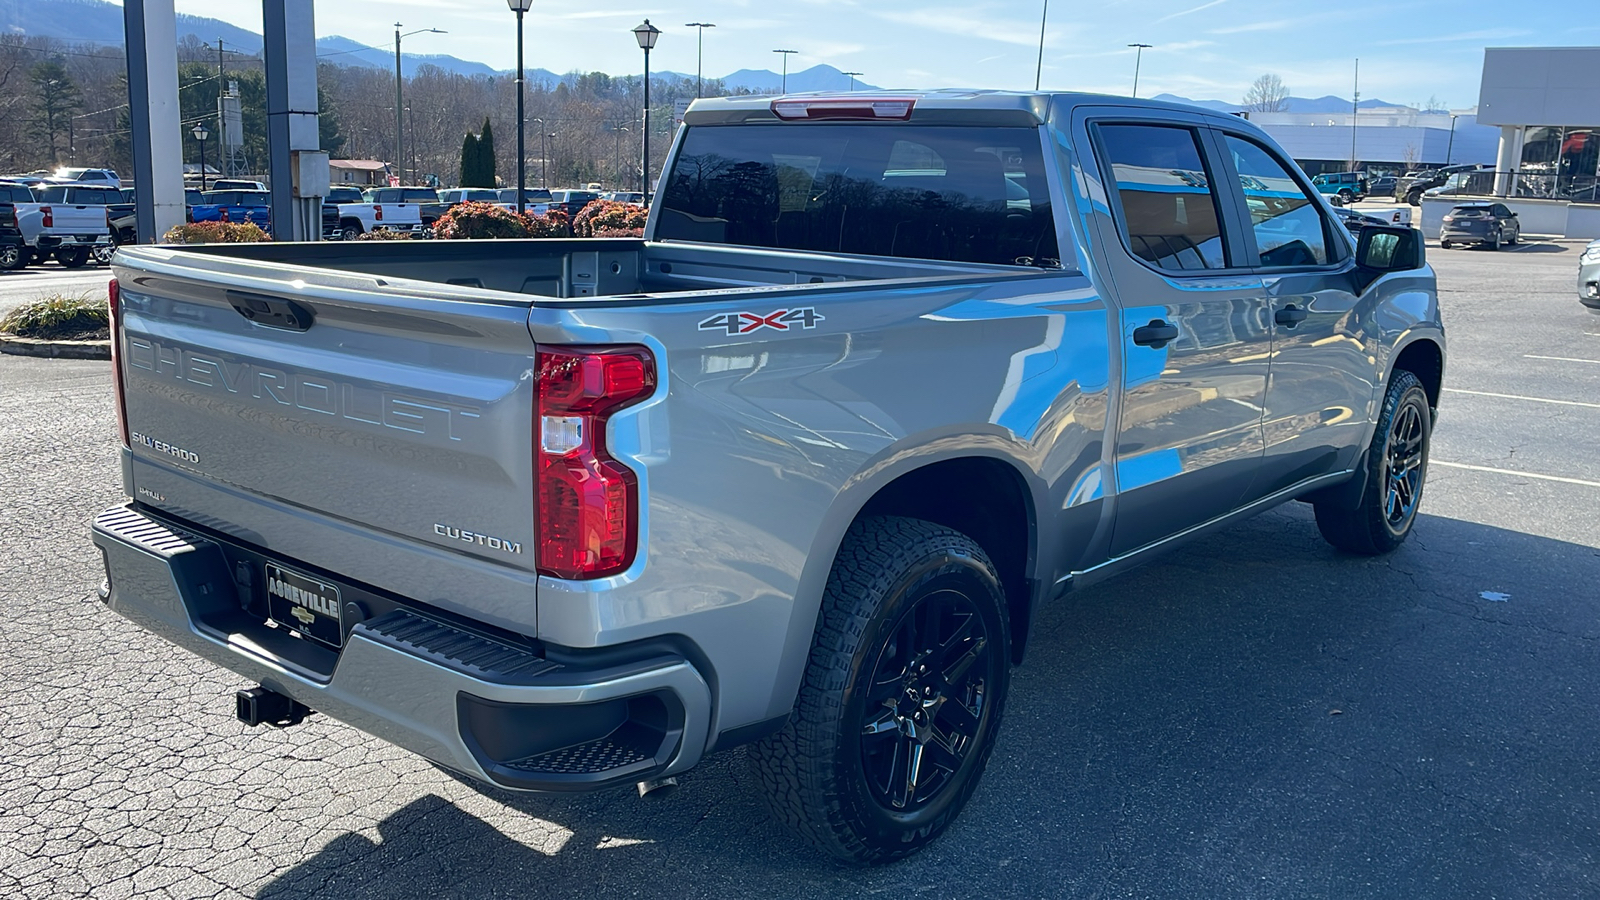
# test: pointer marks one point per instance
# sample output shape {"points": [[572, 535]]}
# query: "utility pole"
{"points": [[399, 121], [853, 77], [222, 114], [1355, 109]]}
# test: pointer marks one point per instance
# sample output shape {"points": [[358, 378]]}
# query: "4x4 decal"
{"points": [[746, 322]]}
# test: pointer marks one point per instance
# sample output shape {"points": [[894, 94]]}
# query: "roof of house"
{"points": [[365, 165]]}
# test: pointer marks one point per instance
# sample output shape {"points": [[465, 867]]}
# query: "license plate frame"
{"points": [[306, 605]]}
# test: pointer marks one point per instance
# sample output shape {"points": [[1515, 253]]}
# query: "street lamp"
{"points": [[784, 89], [1450, 148], [1138, 57], [647, 35], [542, 171], [1044, 19], [520, 7], [853, 77], [399, 103], [201, 132], [700, 53]]}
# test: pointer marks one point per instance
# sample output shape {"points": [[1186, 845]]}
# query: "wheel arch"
{"points": [[1424, 358], [949, 469]]}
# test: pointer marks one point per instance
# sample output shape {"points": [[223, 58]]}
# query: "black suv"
{"points": [[1411, 185]]}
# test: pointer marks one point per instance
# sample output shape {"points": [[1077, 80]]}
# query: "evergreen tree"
{"points": [[469, 160], [486, 161], [56, 99]]}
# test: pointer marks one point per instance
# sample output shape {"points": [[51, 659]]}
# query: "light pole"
{"points": [[201, 132], [399, 104], [1355, 111], [1138, 57], [542, 172], [520, 7], [1038, 71], [700, 53], [1450, 148], [542, 160], [853, 77], [784, 85], [647, 35]]}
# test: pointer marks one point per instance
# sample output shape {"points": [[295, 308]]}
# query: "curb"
{"points": [[20, 346]]}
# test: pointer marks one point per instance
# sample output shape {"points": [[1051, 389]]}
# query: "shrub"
{"points": [[619, 232], [216, 233], [609, 216], [61, 317], [553, 224], [384, 234], [477, 220]]}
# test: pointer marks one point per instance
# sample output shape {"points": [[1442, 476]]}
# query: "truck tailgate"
{"points": [[69, 219], [343, 422]]}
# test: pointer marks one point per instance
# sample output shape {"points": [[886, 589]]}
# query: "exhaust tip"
{"points": [[659, 788], [259, 706]]}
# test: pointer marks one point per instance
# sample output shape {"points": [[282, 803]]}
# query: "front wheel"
{"points": [[350, 232], [1397, 468], [902, 695], [1444, 245], [1414, 198], [73, 257]]}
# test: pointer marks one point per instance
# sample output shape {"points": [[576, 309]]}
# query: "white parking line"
{"points": [[1454, 465], [1520, 397], [1562, 359]]}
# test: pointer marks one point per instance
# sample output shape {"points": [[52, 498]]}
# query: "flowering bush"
{"points": [[384, 234], [553, 224], [609, 216], [216, 233], [477, 220]]}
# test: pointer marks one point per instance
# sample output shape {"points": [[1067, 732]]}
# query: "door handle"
{"points": [[1290, 316], [1155, 335]]}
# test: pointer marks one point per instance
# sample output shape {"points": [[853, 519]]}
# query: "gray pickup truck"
{"points": [[886, 372]]}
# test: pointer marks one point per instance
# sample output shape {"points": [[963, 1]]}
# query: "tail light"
{"points": [[49, 216], [222, 211], [377, 212], [588, 502], [114, 293]]}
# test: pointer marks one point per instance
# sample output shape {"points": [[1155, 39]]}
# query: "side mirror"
{"points": [[1381, 250], [1513, 215]]}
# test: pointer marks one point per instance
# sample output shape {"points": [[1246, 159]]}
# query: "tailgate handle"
{"points": [[274, 312]]}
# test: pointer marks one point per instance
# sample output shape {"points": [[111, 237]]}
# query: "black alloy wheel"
{"points": [[924, 701], [1405, 463], [1396, 474], [12, 257], [902, 695]]}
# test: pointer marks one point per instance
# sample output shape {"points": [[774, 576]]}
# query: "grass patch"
{"points": [[61, 317]]}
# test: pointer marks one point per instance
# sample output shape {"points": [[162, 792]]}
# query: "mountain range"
{"points": [[100, 22]]}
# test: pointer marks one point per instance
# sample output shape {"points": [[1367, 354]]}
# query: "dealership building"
{"points": [[1545, 101], [1382, 140]]}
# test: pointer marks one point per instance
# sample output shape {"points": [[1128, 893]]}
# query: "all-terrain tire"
{"points": [[893, 576], [13, 256], [1383, 518]]}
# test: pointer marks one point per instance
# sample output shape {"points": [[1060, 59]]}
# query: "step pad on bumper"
{"points": [[446, 645]]}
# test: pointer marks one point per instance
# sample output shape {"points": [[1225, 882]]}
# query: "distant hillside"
{"points": [[1328, 104]]}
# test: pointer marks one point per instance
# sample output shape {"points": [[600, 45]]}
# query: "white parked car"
{"points": [[97, 177]]}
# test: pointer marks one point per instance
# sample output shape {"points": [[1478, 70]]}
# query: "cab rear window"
{"points": [[955, 193]]}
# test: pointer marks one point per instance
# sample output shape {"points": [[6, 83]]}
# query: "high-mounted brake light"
{"points": [[114, 293], [49, 216], [844, 108], [588, 503]]}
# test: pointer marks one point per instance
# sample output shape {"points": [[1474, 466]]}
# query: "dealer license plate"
{"points": [[304, 604]]}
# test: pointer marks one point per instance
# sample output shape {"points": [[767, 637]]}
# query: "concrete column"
{"points": [[298, 167], [151, 29], [1509, 159]]}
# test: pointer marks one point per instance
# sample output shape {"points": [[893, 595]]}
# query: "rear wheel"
{"points": [[902, 696], [73, 257], [12, 256], [1414, 198], [1397, 468], [1495, 243], [1347, 196], [1444, 245]]}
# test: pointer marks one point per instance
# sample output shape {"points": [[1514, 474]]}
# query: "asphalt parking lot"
{"points": [[1255, 716]]}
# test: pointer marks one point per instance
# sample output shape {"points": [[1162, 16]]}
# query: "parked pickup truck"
{"points": [[254, 207], [394, 209], [886, 373], [67, 221], [13, 250]]}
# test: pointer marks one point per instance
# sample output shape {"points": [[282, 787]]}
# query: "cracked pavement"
{"points": [[1253, 716]]}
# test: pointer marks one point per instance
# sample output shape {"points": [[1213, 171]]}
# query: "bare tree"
{"points": [[1435, 105], [1267, 93]]}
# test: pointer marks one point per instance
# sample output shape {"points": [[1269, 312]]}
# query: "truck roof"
{"points": [[990, 106]]}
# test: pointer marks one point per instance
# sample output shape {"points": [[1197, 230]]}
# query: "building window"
{"points": [[1561, 163]]}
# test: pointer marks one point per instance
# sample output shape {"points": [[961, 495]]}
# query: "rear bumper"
{"points": [[49, 242], [498, 712]]}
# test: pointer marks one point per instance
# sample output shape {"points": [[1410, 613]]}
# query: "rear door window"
{"points": [[945, 192], [1289, 227], [1166, 204]]}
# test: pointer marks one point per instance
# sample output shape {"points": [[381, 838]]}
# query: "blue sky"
{"points": [[1203, 49]]}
